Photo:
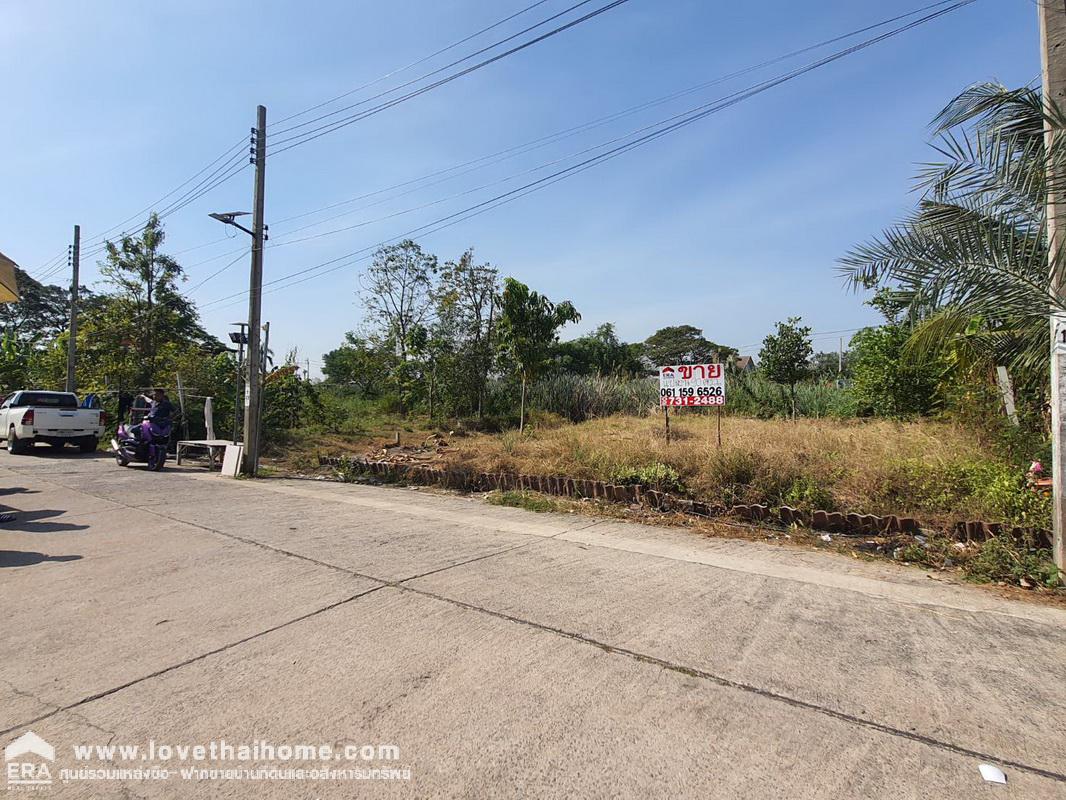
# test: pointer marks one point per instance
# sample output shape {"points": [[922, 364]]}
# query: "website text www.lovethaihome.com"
{"points": [[33, 763]]}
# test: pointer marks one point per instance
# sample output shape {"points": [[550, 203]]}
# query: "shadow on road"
{"points": [[17, 490], [18, 558], [47, 451], [27, 522]]}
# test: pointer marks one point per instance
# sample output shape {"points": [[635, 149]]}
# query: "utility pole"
{"points": [[840, 359], [72, 342], [255, 297], [1053, 58]]}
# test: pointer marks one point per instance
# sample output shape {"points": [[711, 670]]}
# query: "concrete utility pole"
{"points": [[1053, 57], [255, 297], [72, 343]]}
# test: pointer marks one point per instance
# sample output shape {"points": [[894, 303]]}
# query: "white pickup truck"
{"points": [[28, 417]]}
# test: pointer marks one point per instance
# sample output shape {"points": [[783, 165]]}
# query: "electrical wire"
{"points": [[307, 136], [506, 197], [436, 71], [422, 60], [495, 158], [479, 163], [89, 243], [95, 244]]}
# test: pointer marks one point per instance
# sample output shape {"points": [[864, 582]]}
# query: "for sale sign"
{"points": [[692, 385]]}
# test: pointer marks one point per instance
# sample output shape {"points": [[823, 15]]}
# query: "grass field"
{"points": [[937, 471]]}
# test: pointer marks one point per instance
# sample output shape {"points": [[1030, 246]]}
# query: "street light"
{"points": [[230, 218]]}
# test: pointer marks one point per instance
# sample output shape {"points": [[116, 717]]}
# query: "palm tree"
{"points": [[968, 269]]}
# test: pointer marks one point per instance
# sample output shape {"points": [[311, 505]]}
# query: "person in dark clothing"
{"points": [[161, 409], [159, 412]]}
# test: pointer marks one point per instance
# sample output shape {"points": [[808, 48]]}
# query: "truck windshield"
{"points": [[46, 400]]}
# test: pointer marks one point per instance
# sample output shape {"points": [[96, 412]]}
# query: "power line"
{"points": [[541, 183], [422, 60], [94, 247], [303, 138], [430, 74], [91, 241], [526, 147], [568, 132]]}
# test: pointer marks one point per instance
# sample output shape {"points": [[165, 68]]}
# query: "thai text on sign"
{"points": [[692, 385]]}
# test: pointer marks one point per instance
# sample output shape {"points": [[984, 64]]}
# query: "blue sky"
{"points": [[729, 224]]}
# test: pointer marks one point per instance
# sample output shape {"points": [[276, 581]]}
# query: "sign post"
{"points": [[686, 385]]}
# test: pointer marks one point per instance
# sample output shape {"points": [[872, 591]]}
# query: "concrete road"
{"points": [[502, 653]]}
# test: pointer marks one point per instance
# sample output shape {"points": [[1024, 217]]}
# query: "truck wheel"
{"points": [[89, 445], [15, 445]]}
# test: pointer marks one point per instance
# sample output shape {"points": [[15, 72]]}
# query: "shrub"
{"points": [[809, 494], [751, 394], [1000, 559], [993, 491], [658, 476], [530, 501]]}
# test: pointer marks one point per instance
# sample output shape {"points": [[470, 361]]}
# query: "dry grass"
{"points": [[845, 464]]}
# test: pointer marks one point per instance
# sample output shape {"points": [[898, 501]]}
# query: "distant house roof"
{"points": [[745, 363]]}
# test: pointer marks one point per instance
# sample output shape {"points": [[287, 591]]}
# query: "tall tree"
{"points": [[785, 355], [467, 300], [598, 353], [529, 326], [41, 313], [398, 292], [684, 344], [360, 363], [147, 295]]}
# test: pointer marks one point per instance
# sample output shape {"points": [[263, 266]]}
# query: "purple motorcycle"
{"points": [[145, 443]]}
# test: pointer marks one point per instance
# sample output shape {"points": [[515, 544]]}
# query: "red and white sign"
{"points": [[692, 385]]}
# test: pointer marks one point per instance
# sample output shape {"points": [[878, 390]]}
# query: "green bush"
{"points": [[657, 476], [993, 491], [751, 394], [885, 384], [1000, 559], [530, 501], [808, 494]]}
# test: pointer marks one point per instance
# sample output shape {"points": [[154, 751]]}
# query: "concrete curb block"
{"points": [[850, 524]]}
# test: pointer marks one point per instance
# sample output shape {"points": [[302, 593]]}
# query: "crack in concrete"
{"points": [[635, 655], [192, 660]]}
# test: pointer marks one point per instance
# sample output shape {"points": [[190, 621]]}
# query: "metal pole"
{"points": [[237, 394], [72, 342], [719, 427], [1053, 57], [666, 414], [255, 299]]}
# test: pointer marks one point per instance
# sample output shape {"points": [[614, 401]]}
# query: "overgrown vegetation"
{"points": [[908, 419]]}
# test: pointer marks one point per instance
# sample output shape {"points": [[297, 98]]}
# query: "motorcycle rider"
{"points": [[159, 412]]}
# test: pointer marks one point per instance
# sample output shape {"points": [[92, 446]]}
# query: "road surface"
{"points": [[501, 653]]}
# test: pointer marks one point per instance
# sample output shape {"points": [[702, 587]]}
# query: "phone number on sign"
{"points": [[702, 400]]}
